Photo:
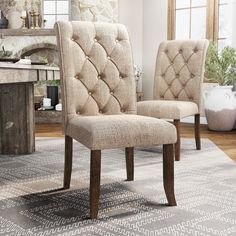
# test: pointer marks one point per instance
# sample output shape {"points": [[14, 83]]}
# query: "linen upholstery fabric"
{"points": [[98, 89], [180, 70], [97, 69], [178, 80], [175, 110], [115, 131]]}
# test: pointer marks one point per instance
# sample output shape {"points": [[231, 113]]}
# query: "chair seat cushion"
{"points": [[119, 131], [167, 109]]}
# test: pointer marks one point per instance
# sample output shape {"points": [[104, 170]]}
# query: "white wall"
{"points": [[131, 15], [146, 21], [155, 15]]}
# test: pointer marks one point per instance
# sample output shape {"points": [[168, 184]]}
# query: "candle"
{"points": [[24, 14], [46, 102]]}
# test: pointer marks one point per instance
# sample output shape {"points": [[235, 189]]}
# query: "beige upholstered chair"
{"points": [[98, 91], [178, 85]]}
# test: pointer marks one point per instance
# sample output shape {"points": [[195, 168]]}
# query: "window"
{"points": [[190, 19], [194, 19], [223, 23], [55, 10]]}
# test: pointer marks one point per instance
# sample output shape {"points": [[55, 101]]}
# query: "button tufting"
{"points": [[122, 110], [95, 40], [177, 75], [180, 51], [87, 57], [78, 76], [191, 98], [117, 40], [90, 93], [176, 97], [100, 111], [99, 76], [109, 58], [195, 50], [163, 75], [192, 75], [166, 51], [111, 92]]}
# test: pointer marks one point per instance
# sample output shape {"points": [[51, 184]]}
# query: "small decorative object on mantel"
{"points": [[12, 10], [23, 17], [220, 101], [34, 19], [138, 72], [3, 21]]}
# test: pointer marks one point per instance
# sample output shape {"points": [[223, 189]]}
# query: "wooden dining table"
{"points": [[17, 126]]}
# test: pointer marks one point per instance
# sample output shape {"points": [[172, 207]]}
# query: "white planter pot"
{"points": [[220, 108]]}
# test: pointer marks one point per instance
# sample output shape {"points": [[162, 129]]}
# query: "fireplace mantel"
{"points": [[26, 32]]}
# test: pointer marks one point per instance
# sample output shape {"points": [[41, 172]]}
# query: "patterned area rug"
{"points": [[31, 202]]}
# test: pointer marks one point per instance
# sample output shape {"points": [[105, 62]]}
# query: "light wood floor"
{"points": [[226, 141]]}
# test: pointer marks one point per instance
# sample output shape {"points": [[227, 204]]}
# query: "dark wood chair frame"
{"points": [[95, 172], [197, 135]]}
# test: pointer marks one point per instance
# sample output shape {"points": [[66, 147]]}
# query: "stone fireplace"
{"points": [[42, 49]]}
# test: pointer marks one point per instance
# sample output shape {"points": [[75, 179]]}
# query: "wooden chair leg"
{"points": [[95, 176], [168, 173], [68, 161], [129, 155], [197, 132], [177, 145]]}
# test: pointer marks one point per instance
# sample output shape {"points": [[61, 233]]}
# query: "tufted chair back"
{"points": [[180, 70], [96, 69]]}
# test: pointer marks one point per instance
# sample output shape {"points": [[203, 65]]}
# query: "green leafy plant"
{"points": [[221, 65], [4, 53], [49, 82]]}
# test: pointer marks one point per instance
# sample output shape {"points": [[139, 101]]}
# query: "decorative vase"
{"points": [[3, 22], [14, 20], [220, 108], [52, 93], [139, 85]]}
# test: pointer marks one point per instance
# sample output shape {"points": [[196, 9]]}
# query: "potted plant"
{"points": [[220, 101]]}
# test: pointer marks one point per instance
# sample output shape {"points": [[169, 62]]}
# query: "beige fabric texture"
{"points": [[115, 131], [180, 70], [175, 110], [97, 68], [98, 88], [178, 77]]}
